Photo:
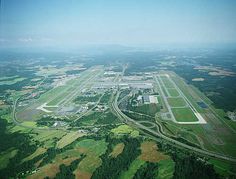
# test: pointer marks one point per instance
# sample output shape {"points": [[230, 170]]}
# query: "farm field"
{"points": [[10, 81], [68, 139], [118, 149], [88, 124], [117, 89], [150, 153], [125, 129], [135, 165], [39, 151]]}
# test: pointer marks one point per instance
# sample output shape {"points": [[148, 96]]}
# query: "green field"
{"points": [[188, 92], [148, 109], [6, 156], [184, 114], [85, 99], [93, 149], [125, 129], [166, 169], [176, 102], [48, 137], [68, 139], [135, 165], [30, 124], [8, 78], [98, 138], [11, 81], [167, 82], [117, 150], [173, 92], [97, 147], [38, 152], [223, 167]]}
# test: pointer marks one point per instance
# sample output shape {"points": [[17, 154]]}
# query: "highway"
{"points": [[160, 134], [156, 134], [87, 112]]}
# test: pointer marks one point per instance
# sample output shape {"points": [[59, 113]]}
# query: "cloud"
{"points": [[36, 40], [29, 39]]}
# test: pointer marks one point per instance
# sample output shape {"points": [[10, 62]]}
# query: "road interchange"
{"points": [[159, 133]]}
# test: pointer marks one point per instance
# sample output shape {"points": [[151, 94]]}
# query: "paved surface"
{"points": [[201, 120], [164, 98], [159, 133]]}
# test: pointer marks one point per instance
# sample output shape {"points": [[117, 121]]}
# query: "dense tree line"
{"points": [[106, 97], [49, 121], [224, 89], [86, 118], [22, 143], [183, 140], [100, 117], [187, 164], [107, 118], [190, 166], [44, 123], [86, 99], [18, 141], [148, 170], [139, 117], [50, 155], [111, 168], [15, 167], [67, 171]]}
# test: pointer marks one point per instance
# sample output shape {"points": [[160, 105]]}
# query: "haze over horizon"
{"points": [[72, 23]]}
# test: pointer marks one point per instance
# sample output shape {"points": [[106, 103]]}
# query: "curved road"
{"points": [[127, 119], [159, 133]]}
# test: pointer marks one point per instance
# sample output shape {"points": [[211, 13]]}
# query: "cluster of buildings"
{"points": [[147, 99], [232, 115]]}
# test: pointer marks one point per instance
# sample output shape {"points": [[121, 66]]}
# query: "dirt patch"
{"points": [[118, 149], [69, 160], [82, 175], [51, 169], [38, 163], [38, 152], [150, 152], [90, 163], [82, 150]]}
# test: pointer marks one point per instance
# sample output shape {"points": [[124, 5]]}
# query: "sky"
{"points": [[126, 22]]}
